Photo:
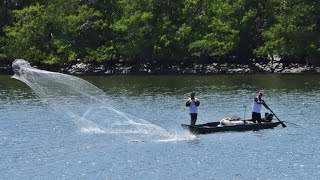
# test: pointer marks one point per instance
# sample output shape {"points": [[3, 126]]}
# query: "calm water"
{"points": [[38, 142]]}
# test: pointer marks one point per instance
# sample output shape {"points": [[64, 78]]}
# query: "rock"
{"points": [[295, 69], [79, 68], [108, 72], [317, 69]]}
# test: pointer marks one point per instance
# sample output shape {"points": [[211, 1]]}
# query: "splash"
{"points": [[87, 106]]}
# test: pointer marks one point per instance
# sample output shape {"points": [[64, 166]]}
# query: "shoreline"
{"points": [[174, 68]]}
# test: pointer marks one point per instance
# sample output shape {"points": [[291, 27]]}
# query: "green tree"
{"points": [[147, 29], [253, 17], [296, 32], [101, 44], [6, 8], [210, 27], [52, 33], [62, 31]]}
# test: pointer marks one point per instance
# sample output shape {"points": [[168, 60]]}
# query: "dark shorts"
{"points": [[256, 117], [193, 118]]}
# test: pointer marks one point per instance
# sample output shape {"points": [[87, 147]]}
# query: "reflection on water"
{"points": [[37, 142], [153, 85]]}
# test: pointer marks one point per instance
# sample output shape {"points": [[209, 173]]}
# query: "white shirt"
{"points": [[193, 107], [256, 107]]}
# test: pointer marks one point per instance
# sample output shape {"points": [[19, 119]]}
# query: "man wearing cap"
{"points": [[193, 103], [256, 107]]}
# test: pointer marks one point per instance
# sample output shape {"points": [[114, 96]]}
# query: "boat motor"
{"points": [[268, 116]]}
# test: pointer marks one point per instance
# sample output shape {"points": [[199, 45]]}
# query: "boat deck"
{"points": [[213, 127]]}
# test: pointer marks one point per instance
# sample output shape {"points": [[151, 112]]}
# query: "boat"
{"points": [[232, 124]]}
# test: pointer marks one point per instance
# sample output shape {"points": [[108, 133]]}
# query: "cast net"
{"points": [[88, 106]]}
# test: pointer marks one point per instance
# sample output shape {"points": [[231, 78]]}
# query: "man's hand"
{"points": [[188, 103]]}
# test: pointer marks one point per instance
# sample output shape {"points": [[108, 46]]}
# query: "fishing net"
{"points": [[88, 106]]}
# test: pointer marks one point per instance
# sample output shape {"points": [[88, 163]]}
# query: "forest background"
{"points": [[60, 32]]}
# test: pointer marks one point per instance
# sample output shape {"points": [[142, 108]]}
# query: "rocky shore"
{"points": [[189, 68], [175, 68]]}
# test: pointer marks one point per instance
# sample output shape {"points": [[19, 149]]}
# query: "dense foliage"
{"points": [[63, 31]]}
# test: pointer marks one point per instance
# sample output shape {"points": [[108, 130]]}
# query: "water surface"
{"points": [[39, 142]]}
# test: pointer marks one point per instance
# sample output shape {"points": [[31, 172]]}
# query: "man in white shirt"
{"points": [[193, 104], [256, 107]]}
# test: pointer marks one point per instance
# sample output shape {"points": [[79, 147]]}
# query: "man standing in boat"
{"points": [[256, 107], [193, 104]]}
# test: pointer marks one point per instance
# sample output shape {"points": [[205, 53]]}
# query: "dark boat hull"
{"points": [[214, 128]]}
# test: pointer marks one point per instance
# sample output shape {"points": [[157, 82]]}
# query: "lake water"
{"points": [[41, 141]]}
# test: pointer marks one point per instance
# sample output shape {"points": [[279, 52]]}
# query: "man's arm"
{"points": [[188, 103], [259, 102], [197, 102]]}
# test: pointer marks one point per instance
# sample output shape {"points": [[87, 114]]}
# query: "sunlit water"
{"points": [[41, 142]]}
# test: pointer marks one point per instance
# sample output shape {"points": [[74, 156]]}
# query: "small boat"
{"points": [[231, 124]]}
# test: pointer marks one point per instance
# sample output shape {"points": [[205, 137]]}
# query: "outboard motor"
{"points": [[268, 117]]}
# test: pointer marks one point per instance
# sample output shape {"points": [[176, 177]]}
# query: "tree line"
{"points": [[65, 31]]}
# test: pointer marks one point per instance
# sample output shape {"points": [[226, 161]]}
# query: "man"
{"points": [[193, 103], [256, 107]]}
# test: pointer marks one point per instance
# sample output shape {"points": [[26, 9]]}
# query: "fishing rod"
{"points": [[245, 111]]}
